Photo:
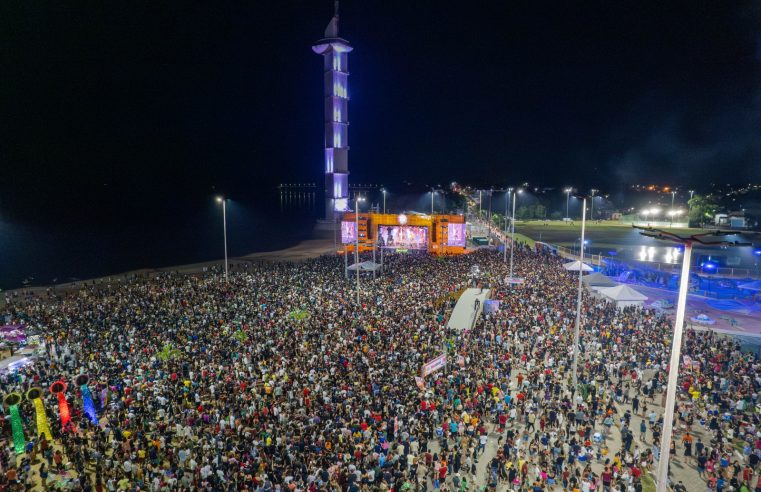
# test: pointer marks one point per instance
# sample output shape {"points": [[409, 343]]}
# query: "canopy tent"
{"points": [[365, 266], [623, 296], [755, 286], [598, 280], [575, 265]]}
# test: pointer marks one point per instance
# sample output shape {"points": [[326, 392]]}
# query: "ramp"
{"points": [[465, 312]]}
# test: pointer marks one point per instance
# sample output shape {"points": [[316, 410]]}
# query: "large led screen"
{"points": [[409, 237], [456, 235], [348, 231]]}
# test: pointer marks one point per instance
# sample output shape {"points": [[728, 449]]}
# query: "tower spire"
{"points": [[332, 30]]}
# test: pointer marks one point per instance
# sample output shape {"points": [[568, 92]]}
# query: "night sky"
{"points": [[109, 108]]}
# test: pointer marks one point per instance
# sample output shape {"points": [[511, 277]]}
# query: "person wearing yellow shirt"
{"points": [[465, 418]]}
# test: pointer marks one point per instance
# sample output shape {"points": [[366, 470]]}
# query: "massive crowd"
{"points": [[277, 380]]}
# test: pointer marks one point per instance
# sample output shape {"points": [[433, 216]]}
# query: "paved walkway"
{"points": [[681, 469]]}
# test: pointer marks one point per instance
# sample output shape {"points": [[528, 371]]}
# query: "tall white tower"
{"points": [[335, 53]]}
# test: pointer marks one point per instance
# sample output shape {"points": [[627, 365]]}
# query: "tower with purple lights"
{"points": [[335, 53]]}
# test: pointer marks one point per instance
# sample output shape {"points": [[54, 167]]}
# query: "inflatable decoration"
{"points": [[12, 400], [35, 395], [87, 404], [57, 389]]}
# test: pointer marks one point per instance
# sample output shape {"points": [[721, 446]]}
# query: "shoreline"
{"points": [[306, 249]]}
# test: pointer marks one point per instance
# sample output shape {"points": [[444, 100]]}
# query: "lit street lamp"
{"points": [[592, 210], [673, 194], [578, 299], [384, 199], [567, 200], [357, 199], [223, 201], [512, 234], [689, 205], [504, 243], [676, 345]]}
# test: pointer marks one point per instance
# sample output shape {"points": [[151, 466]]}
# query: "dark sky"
{"points": [[106, 103]]}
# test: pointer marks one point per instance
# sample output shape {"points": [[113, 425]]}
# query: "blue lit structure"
{"points": [[88, 406], [335, 53]]}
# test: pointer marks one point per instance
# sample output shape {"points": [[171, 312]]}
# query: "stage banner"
{"points": [[434, 365]]}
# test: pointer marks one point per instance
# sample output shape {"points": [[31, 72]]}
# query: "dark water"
{"points": [[49, 253]]}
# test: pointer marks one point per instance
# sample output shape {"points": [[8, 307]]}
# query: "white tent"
{"points": [[575, 265], [623, 296], [597, 279], [365, 266]]}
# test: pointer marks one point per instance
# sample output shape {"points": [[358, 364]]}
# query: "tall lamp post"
{"points": [[504, 243], [512, 233], [689, 206], [578, 298], [676, 344], [223, 201], [384, 199], [671, 223], [567, 200], [432, 192], [592, 206], [357, 199]]}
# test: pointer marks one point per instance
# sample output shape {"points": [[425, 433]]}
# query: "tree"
{"points": [[539, 211], [523, 213], [702, 208], [556, 215]]}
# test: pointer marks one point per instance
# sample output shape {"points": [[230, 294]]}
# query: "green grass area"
{"points": [[558, 225], [522, 238], [606, 234]]}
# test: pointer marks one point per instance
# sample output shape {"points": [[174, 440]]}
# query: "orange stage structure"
{"points": [[438, 234]]}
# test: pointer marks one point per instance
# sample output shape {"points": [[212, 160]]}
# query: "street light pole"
{"points": [[488, 216], [671, 223], [512, 238], [431, 201], [504, 243], [578, 299], [357, 199], [676, 345], [384, 200], [592, 207], [224, 229], [567, 201], [676, 350]]}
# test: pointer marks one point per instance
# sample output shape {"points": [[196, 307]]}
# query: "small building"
{"points": [[735, 220]]}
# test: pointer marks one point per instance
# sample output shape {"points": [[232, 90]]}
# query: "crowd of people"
{"points": [[278, 380]]}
